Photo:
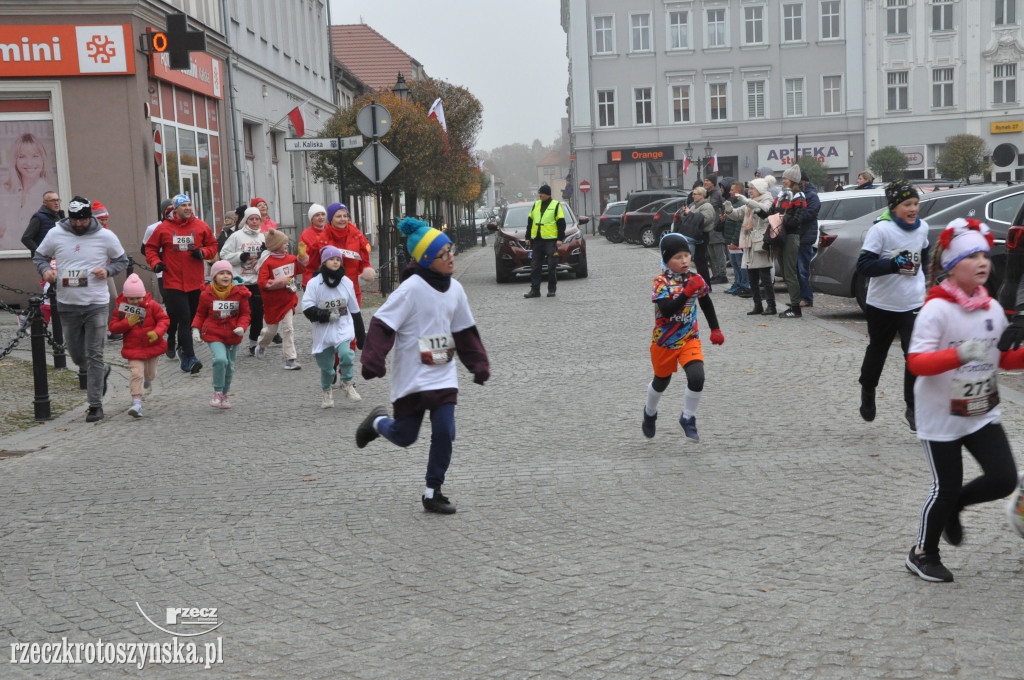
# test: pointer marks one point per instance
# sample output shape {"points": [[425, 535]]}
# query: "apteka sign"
{"points": [[834, 154]]}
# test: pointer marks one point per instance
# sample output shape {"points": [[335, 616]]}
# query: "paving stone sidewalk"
{"points": [[774, 548]]}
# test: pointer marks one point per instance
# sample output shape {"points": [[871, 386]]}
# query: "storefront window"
{"points": [[663, 175], [171, 161], [205, 184]]}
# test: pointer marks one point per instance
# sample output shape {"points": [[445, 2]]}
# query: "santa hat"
{"points": [[424, 242], [134, 287], [963, 238]]}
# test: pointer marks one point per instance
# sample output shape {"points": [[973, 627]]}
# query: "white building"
{"points": [[937, 68]]}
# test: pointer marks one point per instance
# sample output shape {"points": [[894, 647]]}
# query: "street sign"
{"points": [[584, 186], [373, 120], [311, 144], [376, 162], [353, 142]]}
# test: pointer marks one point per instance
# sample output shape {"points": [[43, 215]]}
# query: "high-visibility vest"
{"points": [[547, 222]]}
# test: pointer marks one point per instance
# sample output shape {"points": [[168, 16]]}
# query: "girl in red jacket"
{"points": [[221, 320], [355, 249], [278, 279], [142, 322]]}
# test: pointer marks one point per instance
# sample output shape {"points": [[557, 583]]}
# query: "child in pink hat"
{"points": [[142, 322]]}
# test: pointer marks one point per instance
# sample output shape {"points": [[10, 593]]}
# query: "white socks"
{"points": [[691, 400], [377, 420], [653, 397], [428, 493]]}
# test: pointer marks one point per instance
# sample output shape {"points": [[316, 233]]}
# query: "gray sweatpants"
{"points": [[85, 331]]}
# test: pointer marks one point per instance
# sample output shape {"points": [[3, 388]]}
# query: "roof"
{"points": [[371, 57], [553, 158]]}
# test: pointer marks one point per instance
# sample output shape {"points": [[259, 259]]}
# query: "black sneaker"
{"points": [[439, 503], [194, 366], [365, 432], [689, 427], [95, 414], [791, 313], [953, 531], [649, 424], [252, 350], [867, 404], [106, 375], [170, 351], [277, 339], [532, 294], [909, 415], [928, 567], [551, 293]]}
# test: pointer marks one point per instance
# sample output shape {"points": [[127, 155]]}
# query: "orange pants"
{"points": [[667, 361]]}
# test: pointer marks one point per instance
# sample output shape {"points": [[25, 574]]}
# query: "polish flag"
{"points": [[437, 113], [714, 163], [686, 164], [298, 120]]}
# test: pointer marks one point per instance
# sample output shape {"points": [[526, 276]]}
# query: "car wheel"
{"points": [[647, 239], [613, 234], [860, 291], [503, 274], [581, 268]]}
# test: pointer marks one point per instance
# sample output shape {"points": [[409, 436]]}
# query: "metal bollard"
{"points": [[60, 359], [41, 403]]}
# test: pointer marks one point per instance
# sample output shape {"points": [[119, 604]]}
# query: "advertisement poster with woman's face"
{"points": [[28, 169]]}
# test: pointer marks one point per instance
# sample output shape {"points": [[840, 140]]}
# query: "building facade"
{"points": [[753, 82], [937, 68]]}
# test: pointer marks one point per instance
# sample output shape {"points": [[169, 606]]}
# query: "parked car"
{"points": [[512, 259], [611, 218], [842, 206], [639, 199], [638, 226], [833, 269]]}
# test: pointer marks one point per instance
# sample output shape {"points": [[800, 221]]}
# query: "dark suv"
{"points": [[648, 224], [511, 257]]}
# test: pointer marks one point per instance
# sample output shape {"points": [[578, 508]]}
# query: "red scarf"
{"points": [[947, 290]]}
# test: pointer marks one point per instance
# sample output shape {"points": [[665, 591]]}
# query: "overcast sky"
{"points": [[510, 55]]}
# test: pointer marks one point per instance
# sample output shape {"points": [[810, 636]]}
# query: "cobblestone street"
{"points": [[773, 548]]}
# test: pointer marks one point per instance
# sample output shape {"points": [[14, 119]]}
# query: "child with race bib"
{"points": [[244, 250], [893, 258], [427, 320], [142, 322], [221, 320], [954, 354], [330, 304], [279, 278]]}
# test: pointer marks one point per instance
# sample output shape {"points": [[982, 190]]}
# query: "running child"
{"points": [[330, 304], [893, 258], [954, 354], [221, 320], [278, 280], [428, 321], [142, 322], [676, 339]]}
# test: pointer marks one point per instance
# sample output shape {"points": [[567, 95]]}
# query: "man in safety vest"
{"points": [[545, 231]]}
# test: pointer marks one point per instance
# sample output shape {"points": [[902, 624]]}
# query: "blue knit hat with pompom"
{"points": [[424, 242]]}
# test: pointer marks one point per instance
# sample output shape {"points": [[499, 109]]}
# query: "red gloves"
{"points": [[694, 285], [717, 338]]}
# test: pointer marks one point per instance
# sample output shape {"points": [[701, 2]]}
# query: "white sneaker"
{"points": [[328, 400], [292, 365], [136, 410], [260, 352], [350, 391], [216, 400]]}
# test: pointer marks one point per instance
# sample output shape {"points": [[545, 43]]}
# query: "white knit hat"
{"points": [[792, 173], [314, 209]]}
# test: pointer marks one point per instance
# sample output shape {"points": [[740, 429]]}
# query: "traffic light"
{"points": [[177, 41]]}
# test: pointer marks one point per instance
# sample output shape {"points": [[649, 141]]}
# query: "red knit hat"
{"points": [[99, 210], [256, 201]]}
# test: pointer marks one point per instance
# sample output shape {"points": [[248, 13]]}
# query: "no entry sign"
{"points": [[584, 186]]}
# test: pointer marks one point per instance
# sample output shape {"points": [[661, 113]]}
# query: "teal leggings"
{"points": [[223, 365], [325, 360]]}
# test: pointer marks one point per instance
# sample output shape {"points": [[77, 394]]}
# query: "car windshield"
{"points": [[515, 216], [616, 209]]}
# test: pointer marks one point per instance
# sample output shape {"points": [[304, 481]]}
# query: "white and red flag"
{"points": [[714, 163], [686, 164], [437, 113], [298, 119]]}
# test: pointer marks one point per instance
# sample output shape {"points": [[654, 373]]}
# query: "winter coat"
{"points": [[809, 226], [734, 210], [707, 211], [183, 271], [355, 250], [219, 325], [752, 233], [250, 242], [277, 302], [136, 343], [311, 237]]}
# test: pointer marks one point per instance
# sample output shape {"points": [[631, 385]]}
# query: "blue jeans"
{"points": [[223, 365], [739, 273], [403, 432], [803, 264], [325, 360]]}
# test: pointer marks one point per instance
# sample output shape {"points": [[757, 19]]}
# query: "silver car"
{"points": [[834, 267]]}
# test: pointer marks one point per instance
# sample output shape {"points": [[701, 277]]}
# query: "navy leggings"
{"points": [[998, 479], [403, 431]]}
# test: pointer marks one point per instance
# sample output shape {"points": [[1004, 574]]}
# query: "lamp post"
{"points": [[401, 90], [701, 162]]}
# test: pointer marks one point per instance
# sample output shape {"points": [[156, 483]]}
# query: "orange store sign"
{"points": [[65, 50], [205, 77]]}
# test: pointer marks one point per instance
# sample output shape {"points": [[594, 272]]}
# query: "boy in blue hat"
{"points": [[427, 320]]}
